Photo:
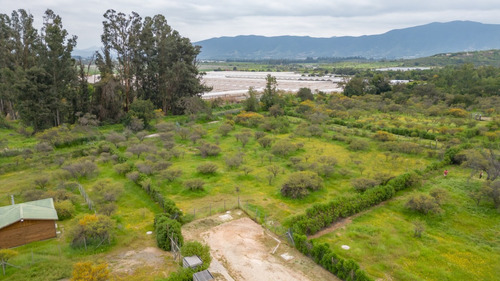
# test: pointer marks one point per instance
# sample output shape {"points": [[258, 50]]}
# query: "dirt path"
{"points": [[343, 222], [242, 250], [339, 224]]}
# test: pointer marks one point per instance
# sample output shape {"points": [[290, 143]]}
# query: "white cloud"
{"points": [[205, 19]]}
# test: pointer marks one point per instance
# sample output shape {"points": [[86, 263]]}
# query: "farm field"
{"points": [[236, 83]]}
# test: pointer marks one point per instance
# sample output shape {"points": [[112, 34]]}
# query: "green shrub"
{"points": [[165, 229], [183, 274], [171, 174], [362, 184], [224, 129], [283, 148], [359, 144], [235, 160], [192, 248], [265, 141], [65, 209], [207, 149], [323, 255], [207, 168], [299, 184], [194, 184], [424, 204]]}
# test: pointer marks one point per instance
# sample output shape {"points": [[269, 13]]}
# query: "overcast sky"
{"points": [[204, 19]]}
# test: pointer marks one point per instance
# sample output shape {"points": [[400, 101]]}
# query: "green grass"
{"points": [[462, 243]]}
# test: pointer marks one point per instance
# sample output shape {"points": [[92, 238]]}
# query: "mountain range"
{"points": [[413, 42]]}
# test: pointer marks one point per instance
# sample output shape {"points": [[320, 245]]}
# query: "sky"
{"points": [[202, 19]]}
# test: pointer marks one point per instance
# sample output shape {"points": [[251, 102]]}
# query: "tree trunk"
{"points": [[12, 111]]}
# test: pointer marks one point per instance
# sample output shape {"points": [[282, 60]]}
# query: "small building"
{"points": [[192, 262], [27, 222], [204, 275]]}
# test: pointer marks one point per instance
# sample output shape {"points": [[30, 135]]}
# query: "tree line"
{"points": [[140, 60]]}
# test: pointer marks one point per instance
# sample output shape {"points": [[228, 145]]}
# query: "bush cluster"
{"points": [[324, 256], [250, 119], [207, 168], [299, 184], [165, 227], [208, 149]]}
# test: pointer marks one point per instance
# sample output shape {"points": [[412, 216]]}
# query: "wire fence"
{"points": [[256, 212], [40, 253], [88, 201]]}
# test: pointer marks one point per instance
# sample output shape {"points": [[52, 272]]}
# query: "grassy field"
{"points": [[462, 243], [459, 244]]}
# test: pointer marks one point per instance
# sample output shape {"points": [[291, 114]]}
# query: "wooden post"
{"points": [[194, 213], [224, 205]]}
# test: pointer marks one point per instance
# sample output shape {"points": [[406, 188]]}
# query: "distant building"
{"points": [[27, 222], [397, 82]]}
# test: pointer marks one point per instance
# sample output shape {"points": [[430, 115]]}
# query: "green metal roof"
{"points": [[35, 210]]}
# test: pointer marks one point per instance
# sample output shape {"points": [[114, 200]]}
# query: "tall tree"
{"points": [[55, 58], [19, 42], [270, 95], [35, 98], [6, 65], [122, 35], [169, 69], [26, 39]]}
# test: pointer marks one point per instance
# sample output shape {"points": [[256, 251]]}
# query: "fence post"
{"points": [[224, 205], [210, 209], [194, 213]]}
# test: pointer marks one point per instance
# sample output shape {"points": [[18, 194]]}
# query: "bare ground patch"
{"points": [[144, 262], [242, 250]]}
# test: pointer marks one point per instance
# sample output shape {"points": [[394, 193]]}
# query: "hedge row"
{"points": [[166, 204], [347, 270], [322, 215], [70, 142], [397, 131]]}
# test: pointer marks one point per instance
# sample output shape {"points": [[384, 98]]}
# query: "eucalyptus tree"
{"points": [[19, 42], [55, 59], [170, 71], [6, 65], [25, 38], [121, 33], [154, 61]]}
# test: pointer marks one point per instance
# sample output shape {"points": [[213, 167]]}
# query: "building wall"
{"points": [[21, 233]]}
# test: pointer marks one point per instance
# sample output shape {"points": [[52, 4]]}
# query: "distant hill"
{"points": [[85, 53], [413, 42], [478, 58]]}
